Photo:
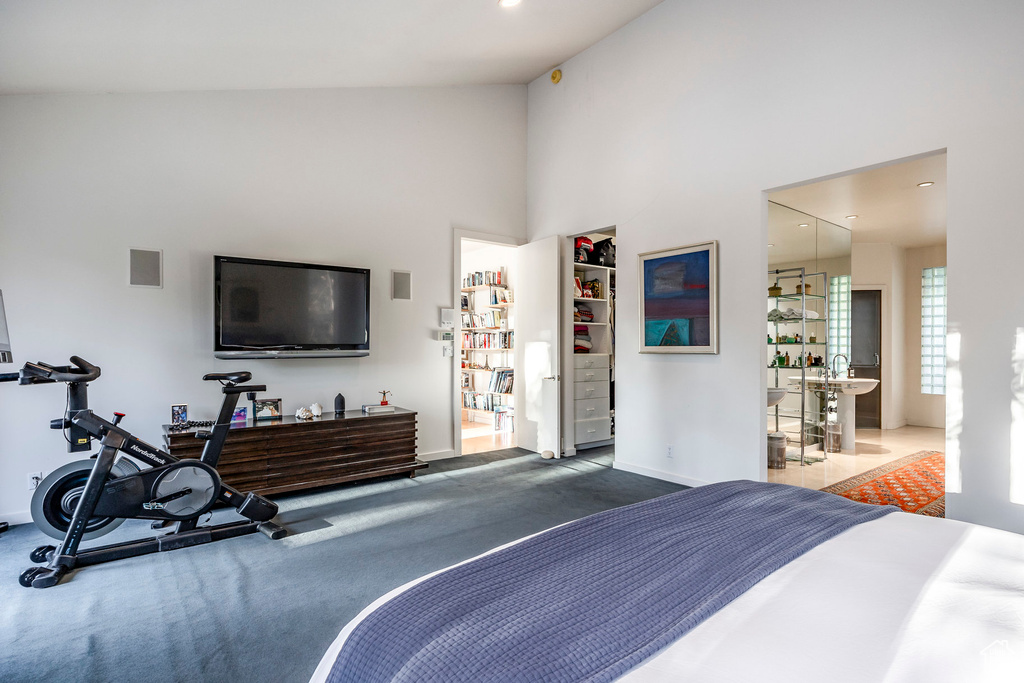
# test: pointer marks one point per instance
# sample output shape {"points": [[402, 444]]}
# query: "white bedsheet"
{"points": [[904, 598]]}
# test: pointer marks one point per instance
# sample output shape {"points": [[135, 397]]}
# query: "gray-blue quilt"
{"points": [[590, 600]]}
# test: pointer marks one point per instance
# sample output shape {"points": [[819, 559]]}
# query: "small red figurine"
{"points": [[384, 397]]}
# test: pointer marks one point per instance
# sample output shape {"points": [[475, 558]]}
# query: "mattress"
{"points": [[901, 598]]}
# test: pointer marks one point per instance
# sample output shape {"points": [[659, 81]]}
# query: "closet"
{"points": [[589, 358]]}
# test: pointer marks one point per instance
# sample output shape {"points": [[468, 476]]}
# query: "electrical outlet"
{"points": [[668, 453], [449, 351], [34, 479]]}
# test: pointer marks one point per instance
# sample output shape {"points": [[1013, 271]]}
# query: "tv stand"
{"points": [[287, 454]]}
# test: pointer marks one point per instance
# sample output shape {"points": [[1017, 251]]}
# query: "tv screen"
{"points": [[275, 309]]}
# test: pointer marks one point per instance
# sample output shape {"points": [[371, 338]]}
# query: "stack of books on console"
{"points": [[372, 408]]}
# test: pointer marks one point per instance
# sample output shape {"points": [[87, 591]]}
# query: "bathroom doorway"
{"points": [[886, 314], [866, 353]]}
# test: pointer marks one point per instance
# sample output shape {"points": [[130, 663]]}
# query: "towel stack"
{"points": [[581, 339]]}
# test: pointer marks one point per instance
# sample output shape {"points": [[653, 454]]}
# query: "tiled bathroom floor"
{"points": [[874, 447]]}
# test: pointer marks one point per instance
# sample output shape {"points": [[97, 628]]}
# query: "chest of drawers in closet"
{"points": [[592, 391]]}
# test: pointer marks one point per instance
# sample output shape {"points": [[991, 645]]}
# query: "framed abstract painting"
{"points": [[679, 299]]}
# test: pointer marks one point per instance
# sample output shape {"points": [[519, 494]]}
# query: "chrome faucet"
{"points": [[835, 374]]}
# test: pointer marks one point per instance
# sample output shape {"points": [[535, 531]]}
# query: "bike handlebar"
{"points": [[84, 371]]}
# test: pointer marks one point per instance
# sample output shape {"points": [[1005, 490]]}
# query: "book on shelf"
{"points": [[482, 400], [501, 381], [488, 340], [479, 320], [496, 278], [501, 296], [372, 408], [504, 419]]}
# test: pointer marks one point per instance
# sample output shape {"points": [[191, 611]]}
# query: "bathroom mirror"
{"points": [[797, 239]]}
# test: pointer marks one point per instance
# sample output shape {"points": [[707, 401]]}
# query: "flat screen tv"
{"points": [[275, 309]]}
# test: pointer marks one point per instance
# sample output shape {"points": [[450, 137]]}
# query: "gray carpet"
{"points": [[252, 609]]}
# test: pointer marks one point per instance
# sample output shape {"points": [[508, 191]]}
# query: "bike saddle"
{"points": [[233, 377]]}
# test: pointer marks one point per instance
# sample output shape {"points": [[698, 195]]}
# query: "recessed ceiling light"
{"points": [[509, 3], [928, 183], [805, 225], [853, 215]]}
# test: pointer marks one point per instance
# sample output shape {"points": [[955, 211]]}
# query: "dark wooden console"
{"points": [[288, 454]]}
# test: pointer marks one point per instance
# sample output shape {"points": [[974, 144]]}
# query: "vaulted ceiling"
{"points": [[159, 45]]}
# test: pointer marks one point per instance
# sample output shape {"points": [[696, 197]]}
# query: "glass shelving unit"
{"points": [[811, 420]]}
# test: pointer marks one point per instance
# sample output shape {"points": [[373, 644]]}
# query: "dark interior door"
{"points": [[866, 353]]}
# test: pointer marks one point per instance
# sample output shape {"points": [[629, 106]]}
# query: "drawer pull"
{"points": [[590, 410], [588, 364], [590, 374], [590, 391], [591, 431]]}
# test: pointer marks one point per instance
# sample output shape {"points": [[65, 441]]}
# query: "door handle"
{"points": [[554, 377], [877, 361]]}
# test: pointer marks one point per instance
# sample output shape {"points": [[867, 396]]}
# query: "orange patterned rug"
{"points": [[916, 483]]}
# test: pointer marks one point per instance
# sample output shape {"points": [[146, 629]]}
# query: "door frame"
{"points": [[888, 359], [458, 235]]}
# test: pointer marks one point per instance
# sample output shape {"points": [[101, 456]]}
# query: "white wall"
{"points": [[922, 410], [371, 178], [674, 126], [881, 266]]}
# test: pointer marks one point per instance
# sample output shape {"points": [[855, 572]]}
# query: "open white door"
{"points": [[537, 347]]}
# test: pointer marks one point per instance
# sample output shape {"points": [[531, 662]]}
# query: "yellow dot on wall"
{"points": [[556, 75]]}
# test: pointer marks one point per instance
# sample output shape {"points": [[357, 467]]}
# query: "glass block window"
{"points": [[839, 310], [933, 330]]}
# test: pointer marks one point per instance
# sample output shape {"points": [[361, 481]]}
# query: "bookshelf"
{"points": [[487, 348]]}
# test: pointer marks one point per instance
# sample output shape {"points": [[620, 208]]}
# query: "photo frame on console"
{"points": [[266, 409]]}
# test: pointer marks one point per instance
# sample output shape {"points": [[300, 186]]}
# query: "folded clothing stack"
{"points": [[582, 314], [581, 339]]}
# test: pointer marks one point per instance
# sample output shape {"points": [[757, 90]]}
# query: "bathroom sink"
{"points": [[775, 395], [855, 386], [851, 386]]}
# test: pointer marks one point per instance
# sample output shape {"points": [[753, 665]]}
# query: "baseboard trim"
{"points": [[437, 455], [15, 518], [658, 474]]}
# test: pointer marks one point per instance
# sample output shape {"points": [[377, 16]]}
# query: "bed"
{"points": [[888, 596]]}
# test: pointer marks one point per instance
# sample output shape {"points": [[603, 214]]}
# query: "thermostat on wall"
{"points": [[448, 317]]}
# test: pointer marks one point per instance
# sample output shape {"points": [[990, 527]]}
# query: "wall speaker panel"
{"points": [[401, 285], [145, 268]]}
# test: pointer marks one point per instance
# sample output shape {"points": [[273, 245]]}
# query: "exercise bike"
{"points": [[86, 499]]}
